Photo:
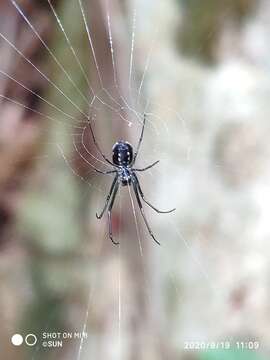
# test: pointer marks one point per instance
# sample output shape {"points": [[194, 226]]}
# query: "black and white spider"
{"points": [[123, 161]]}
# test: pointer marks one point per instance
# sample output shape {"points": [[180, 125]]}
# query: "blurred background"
{"points": [[199, 70]]}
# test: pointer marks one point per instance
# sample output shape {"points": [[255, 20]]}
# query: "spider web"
{"points": [[120, 108]]}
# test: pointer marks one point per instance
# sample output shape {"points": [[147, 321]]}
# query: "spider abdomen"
{"points": [[122, 153]]}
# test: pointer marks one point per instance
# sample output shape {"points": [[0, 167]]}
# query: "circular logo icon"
{"points": [[31, 339], [17, 339]]}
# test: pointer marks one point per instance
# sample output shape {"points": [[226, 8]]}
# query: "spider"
{"points": [[123, 160]]}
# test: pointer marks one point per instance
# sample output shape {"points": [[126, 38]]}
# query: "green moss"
{"points": [[203, 22]]}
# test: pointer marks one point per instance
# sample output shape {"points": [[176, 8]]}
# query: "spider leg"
{"points": [[108, 198], [147, 167], [147, 202], [135, 187], [92, 166], [103, 172], [140, 140], [97, 146], [109, 213]]}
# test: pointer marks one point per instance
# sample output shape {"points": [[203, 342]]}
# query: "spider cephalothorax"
{"points": [[123, 160]]}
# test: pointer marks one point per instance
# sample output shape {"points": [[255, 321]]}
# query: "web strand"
{"points": [[33, 110], [82, 156], [43, 75], [132, 47], [147, 64], [38, 96], [70, 46], [67, 39], [89, 300], [86, 149], [111, 44], [49, 50], [136, 222], [90, 42]]}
